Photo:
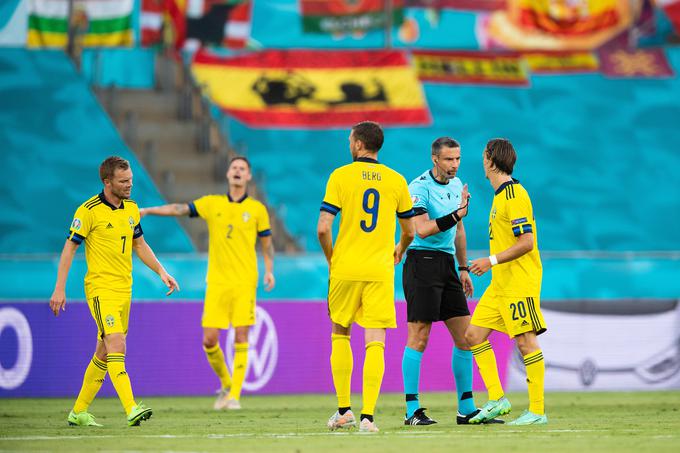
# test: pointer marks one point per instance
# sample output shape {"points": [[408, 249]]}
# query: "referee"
{"points": [[434, 290]]}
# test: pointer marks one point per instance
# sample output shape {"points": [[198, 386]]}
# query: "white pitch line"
{"points": [[289, 435]]}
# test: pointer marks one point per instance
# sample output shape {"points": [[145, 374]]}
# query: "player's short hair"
{"points": [[370, 133], [243, 158], [501, 154], [443, 142], [110, 165]]}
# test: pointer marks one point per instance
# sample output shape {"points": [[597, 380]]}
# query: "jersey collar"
{"points": [[436, 180], [245, 195], [113, 208], [366, 159], [506, 184]]}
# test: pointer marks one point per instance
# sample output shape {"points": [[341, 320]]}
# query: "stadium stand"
{"points": [[47, 175]]}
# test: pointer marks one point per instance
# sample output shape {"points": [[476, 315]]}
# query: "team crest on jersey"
{"points": [[131, 221], [493, 213], [246, 216], [109, 320], [76, 224]]}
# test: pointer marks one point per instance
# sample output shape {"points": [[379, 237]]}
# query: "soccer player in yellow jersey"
{"points": [[109, 226], [511, 303], [235, 221], [370, 197]]}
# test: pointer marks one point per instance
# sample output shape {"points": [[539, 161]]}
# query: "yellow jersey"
{"points": [[108, 232], [233, 227], [512, 215], [369, 196]]}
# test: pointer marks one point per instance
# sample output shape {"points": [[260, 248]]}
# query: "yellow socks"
{"points": [[216, 360], [92, 382], [341, 367], [486, 362], [374, 369], [121, 380], [239, 371], [535, 366]]}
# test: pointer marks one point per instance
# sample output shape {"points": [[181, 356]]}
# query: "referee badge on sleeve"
{"points": [[415, 199]]}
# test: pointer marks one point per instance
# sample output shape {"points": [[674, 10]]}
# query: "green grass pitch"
{"points": [[580, 422]]}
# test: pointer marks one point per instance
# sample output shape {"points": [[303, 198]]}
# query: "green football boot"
{"points": [[139, 413], [491, 410], [82, 419], [529, 418]]}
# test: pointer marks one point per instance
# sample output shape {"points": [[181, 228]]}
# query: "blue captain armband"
{"points": [[75, 237], [327, 207], [522, 229]]}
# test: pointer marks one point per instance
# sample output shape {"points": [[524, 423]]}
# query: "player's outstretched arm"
{"points": [[147, 256], [58, 299], [173, 209], [268, 255], [324, 231], [524, 244], [408, 233]]}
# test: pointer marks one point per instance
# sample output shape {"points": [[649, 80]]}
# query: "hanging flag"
{"points": [[237, 32], [639, 63], [672, 10], [151, 21], [557, 24], [469, 5], [313, 88], [561, 62], [476, 68], [217, 23], [348, 16], [101, 23]]}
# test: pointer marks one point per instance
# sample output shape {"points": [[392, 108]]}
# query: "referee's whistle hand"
{"points": [[464, 200]]}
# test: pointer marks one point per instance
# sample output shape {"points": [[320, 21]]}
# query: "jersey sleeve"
{"points": [[201, 207], [81, 225], [520, 214], [404, 202], [331, 201], [263, 227], [419, 196]]}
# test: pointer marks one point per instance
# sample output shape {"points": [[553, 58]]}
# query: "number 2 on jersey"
{"points": [[370, 204]]}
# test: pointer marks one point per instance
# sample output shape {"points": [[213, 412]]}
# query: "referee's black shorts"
{"points": [[432, 288]]}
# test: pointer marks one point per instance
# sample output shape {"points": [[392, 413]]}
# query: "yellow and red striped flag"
{"points": [[310, 88]]}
